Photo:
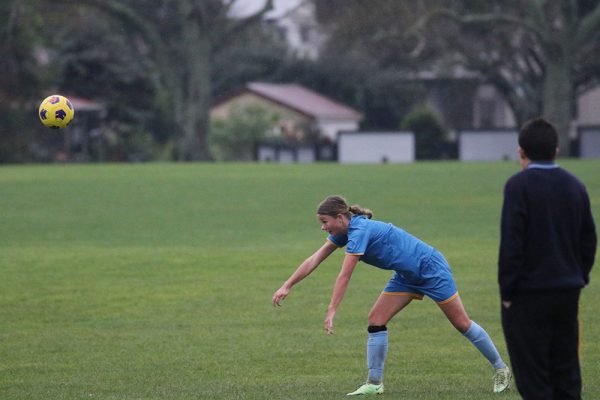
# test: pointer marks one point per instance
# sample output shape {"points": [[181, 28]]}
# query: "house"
{"points": [[303, 115], [484, 126], [293, 20], [588, 124], [299, 28], [461, 98], [84, 140]]}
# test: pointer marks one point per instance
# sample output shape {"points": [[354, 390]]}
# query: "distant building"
{"points": [[475, 112], [303, 115], [588, 123], [588, 107], [588, 141], [84, 139], [294, 20], [463, 100], [299, 28]]}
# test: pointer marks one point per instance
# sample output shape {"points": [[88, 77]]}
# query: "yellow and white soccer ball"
{"points": [[56, 111]]}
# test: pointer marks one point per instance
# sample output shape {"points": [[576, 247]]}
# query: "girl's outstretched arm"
{"points": [[308, 266], [341, 284]]}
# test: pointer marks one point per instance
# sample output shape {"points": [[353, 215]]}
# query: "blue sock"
{"points": [[377, 346], [480, 339]]}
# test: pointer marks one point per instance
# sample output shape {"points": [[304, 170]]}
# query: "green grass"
{"points": [[154, 281]]}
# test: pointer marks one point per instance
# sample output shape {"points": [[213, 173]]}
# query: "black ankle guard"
{"points": [[376, 328]]}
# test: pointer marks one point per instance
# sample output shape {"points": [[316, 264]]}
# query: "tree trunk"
{"points": [[558, 98], [196, 92]]}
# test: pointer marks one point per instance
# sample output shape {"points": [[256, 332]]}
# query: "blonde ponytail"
{"points": [[358, 210]]}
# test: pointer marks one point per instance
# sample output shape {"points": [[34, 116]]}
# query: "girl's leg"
{"points": [[381, 313], [386, 306], [456, 314]]}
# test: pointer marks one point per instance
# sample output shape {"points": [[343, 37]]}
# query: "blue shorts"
{"points": [[435, 281]]}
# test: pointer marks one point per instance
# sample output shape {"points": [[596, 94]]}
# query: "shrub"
{"points": [[430, 134]]}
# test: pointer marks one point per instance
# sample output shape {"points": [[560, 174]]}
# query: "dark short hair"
{"points": [[538, 139]]}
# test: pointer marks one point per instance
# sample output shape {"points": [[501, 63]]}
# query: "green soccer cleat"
{"points": [[366, 389], [502, 380]]}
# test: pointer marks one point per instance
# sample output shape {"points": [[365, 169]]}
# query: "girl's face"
{"points": [[337, 225]]}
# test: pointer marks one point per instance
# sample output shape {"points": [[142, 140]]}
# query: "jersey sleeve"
{"points": [[339, 240], [358, 239]]}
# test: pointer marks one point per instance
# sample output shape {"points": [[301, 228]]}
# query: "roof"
{"points": [[300, 99], [83, 104]]}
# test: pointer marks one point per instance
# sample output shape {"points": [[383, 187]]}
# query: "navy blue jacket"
{"points": [[548, 238]]}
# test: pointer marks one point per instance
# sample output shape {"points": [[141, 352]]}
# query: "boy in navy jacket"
{"points": [[547, 249]]}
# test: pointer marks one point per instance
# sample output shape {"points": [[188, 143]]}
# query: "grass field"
{"points": [[154, 281]]}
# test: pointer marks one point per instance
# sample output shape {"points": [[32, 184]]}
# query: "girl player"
{"points": [[419, 270]]}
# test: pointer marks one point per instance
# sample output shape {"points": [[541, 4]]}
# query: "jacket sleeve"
{"points": [[589, 241], [513, 229]]}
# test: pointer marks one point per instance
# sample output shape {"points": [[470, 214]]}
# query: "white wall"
{"points": [[589, 142], [376, 147], [588, 105], [488, 145], [329, 128], [283, 154]]}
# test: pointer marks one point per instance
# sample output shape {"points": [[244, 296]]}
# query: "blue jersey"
{"points": [[385, 246]]}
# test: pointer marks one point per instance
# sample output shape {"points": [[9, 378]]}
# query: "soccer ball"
{"points": [[56, 111]]}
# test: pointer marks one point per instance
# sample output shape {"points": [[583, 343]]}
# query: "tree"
{"points": [[259, 53], [360, 65], [430, 135], [235, 138], [181, 38], [19, 35], [20, 78], [539, 54]]}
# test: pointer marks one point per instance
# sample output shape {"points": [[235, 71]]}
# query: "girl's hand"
{"points": [[279, 295], [328, 324]]}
